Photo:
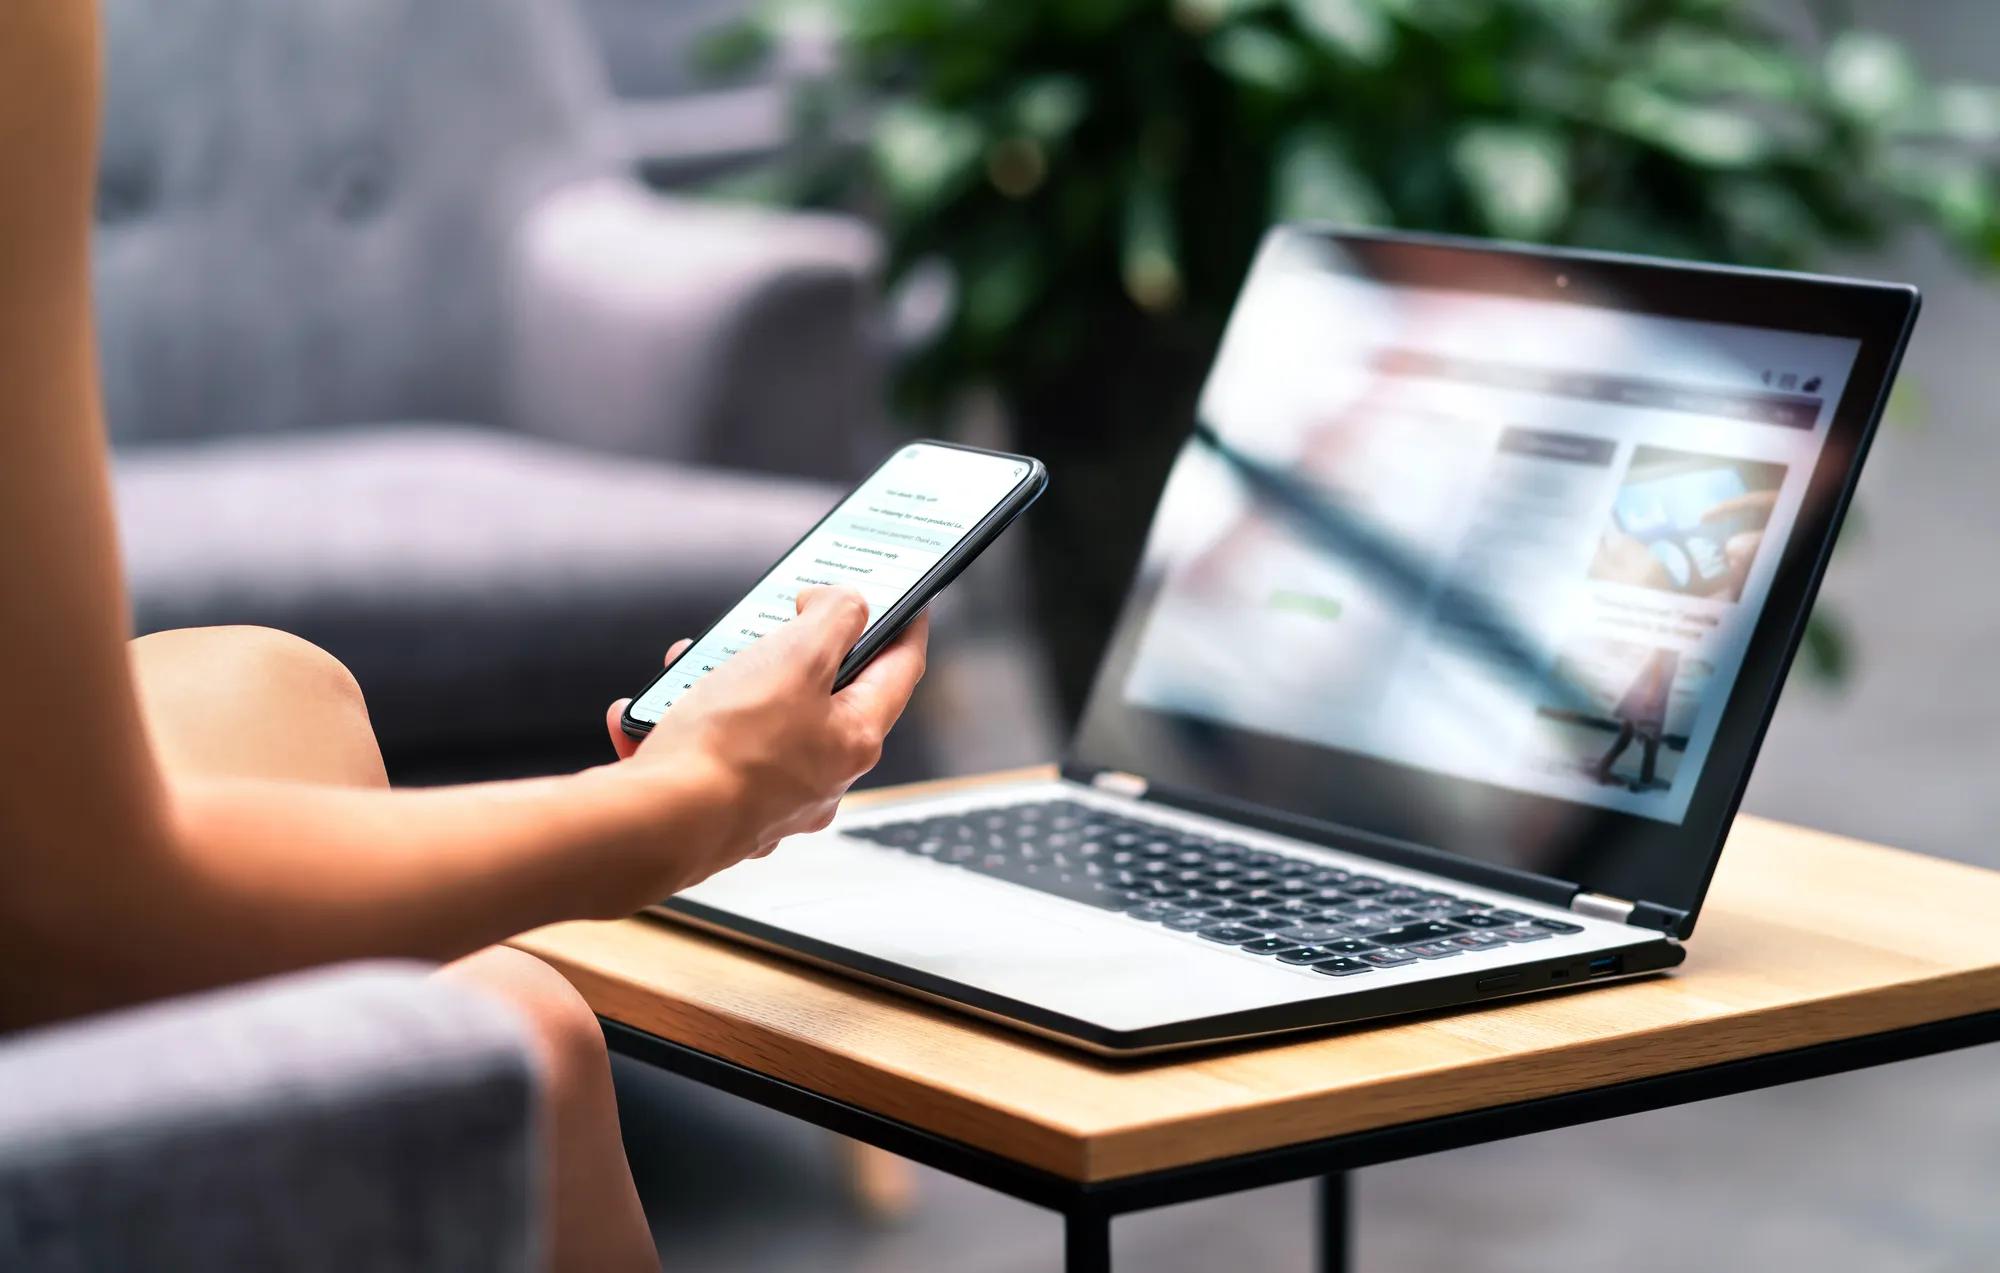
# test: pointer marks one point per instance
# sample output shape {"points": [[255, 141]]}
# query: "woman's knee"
{"points": [[562, 1026], [256, 702], [262, 658]]}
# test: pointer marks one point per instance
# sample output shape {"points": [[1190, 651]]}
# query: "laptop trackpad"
{"points": [[945, 939], [1103, 968]]}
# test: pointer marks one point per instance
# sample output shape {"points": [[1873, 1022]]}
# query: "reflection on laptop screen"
{"points": [[1568, 518]]}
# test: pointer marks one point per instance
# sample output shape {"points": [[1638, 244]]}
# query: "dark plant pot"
{"points": [[1108, 427]]}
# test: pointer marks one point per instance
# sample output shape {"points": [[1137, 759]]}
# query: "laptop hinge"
{"points": [[1119, 784], [1599, 906]]}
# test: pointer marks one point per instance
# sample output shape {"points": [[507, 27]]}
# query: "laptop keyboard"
{"points": [[1334, 921]]}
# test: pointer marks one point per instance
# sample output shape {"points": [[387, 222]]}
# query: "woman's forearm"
{"points": [[250, 878]]}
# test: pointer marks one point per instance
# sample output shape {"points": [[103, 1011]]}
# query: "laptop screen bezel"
{"points": [[1620, 855]]}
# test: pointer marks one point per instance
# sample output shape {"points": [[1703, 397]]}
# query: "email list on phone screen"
{"points": [[881, 542]]}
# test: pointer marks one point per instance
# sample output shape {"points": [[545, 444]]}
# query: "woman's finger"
{"points": [[621, 742], [677, 649]]}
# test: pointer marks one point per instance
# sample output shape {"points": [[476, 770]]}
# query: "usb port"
{"points": [[1605, 965]]}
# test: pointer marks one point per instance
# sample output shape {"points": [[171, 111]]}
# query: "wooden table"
{"points": [[1815, 955]]}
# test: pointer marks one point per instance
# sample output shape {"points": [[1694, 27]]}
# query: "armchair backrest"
{"points": [[305, 205]]}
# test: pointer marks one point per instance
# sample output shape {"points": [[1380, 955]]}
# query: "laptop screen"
{"points": [[1516, 537]]}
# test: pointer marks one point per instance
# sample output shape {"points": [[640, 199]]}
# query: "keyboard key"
{"points": [[1351, 946], [1307, 954], [1270, 946], [1483, 919], [1231, 934], [1392, 957], [1523, 933], [1435, 949], [1364, 886], [1187, 921], [1427, 930], [1512, 917], [1558, 926], [1230, 912], [1341, 967], [1268, 923], [1360, 906], [1477, 940], [1315, 934]]}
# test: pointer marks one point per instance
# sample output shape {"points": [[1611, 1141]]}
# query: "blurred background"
{"points": [[492, 345]]}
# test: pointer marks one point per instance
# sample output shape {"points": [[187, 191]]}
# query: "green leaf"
{"points": [[1710, 136], [1769, 219], [1518, 177], [1869, 76], [1909, 406], [1356, 28], [1957, 190], [1683, 59], [998, 288], [1258, 58], [732, 49], [1201, 16], [1827, 656], [1047, 107], [1315, 179], [922, 153], [1149, 247], [1967, 112]]}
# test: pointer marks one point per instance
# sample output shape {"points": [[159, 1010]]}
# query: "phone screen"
{"points": [[880, 541]]}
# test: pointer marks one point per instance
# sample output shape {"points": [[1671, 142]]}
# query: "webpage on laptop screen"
{"points": [[1517, 541]]}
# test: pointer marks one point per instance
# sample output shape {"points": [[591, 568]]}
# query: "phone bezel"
{"points": [[907, 607]]}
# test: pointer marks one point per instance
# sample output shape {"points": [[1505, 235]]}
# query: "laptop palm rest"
{"points": [[995, 936]]}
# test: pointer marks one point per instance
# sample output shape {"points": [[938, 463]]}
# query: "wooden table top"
{"points": [[1806, 938]]}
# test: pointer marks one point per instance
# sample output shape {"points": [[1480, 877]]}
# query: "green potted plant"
{"points": [[1090, 178]]}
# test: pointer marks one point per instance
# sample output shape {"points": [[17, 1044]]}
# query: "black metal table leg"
{"points": [[1086, 1242], [1334, 1236]]}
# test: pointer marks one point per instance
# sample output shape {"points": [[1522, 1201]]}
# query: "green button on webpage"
{"points": [[1307, 603]]}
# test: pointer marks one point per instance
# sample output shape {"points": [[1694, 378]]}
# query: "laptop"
{"points": [[1460, 619]]}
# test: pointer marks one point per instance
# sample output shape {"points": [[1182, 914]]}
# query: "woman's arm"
{"points": [[121, 885]]}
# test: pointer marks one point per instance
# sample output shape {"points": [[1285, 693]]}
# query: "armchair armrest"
{"points": [[362, 1118], [725, 335]]}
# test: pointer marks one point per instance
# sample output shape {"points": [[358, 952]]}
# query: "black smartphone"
{"points": [[897, 539]]}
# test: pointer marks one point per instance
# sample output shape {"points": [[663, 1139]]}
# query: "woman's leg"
{"points": [[254, 703]]}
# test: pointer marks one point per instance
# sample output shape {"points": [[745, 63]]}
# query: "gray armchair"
{"points": [[368, 1117], [399, 356]]}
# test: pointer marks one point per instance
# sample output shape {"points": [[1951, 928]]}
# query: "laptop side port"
{"points": [[1605, 965]]}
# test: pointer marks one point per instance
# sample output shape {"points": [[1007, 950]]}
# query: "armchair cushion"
{"points": [[488, 590], [362, 1118], [732, 336]]}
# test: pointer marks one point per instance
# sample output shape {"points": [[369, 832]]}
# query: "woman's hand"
{"points": [[778, 747]]}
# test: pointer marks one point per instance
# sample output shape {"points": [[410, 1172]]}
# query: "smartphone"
{"points": [[897, 539]]}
